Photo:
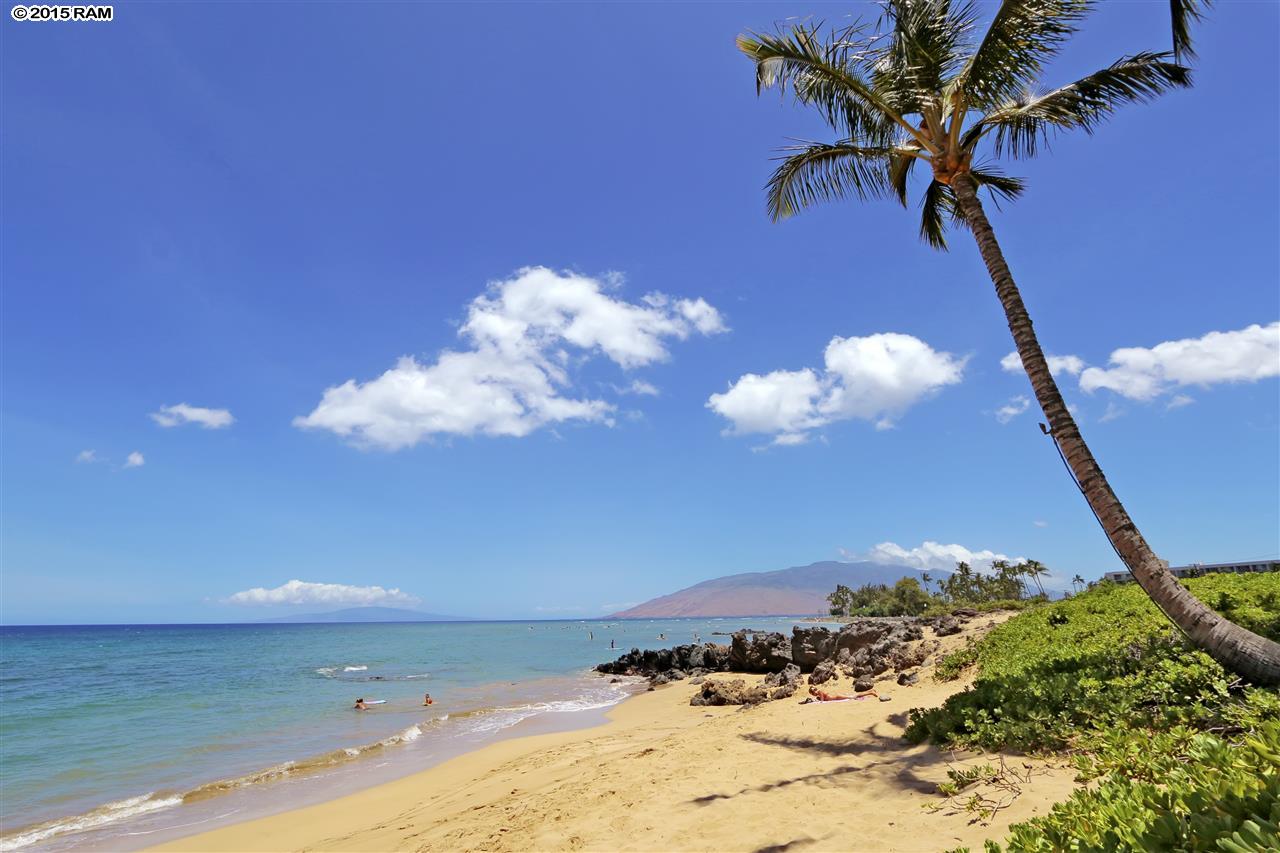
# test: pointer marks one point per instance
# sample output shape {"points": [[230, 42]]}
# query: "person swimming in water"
{"points": [[360, 705], [427, 700]]}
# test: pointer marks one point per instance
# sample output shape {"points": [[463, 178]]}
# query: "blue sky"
{"points": [[240, 206]]}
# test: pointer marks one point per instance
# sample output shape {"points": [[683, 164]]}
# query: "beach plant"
{"points": [[1180, 754], [926, 92]]}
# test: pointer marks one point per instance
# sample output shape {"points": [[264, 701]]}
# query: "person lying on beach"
{"points": [[823, 696]]}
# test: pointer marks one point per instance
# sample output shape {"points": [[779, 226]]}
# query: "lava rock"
{"points": [[788, 677], [733, 692], [769, 652], [811, 646], [946, 626], [823, 672]]}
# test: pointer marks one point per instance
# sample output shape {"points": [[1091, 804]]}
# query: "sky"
{"points": [[475, 308]]}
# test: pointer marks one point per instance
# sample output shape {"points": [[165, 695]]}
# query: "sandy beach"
{"points": [[662, 775]]}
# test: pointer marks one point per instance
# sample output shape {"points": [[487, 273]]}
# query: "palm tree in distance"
{"points": [[925, 93], [1034, 569], [926, 579], [1077, 582]]}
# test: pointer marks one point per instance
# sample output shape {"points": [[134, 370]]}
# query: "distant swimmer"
{"points": [[360, 705], [591, 635], [427, 700], [612, 645]]}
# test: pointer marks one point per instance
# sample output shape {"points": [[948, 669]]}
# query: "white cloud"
{"points": [[783, 402], [1179, 400], [1039, 523], [1139, 373], [86, 456], [932, 556], [1112, 412], [172, 416], [1058, 364], [874, 378], [620, 605], [134, 460], [305, 592], [513, 377], [1013, 408], [638, 386]]}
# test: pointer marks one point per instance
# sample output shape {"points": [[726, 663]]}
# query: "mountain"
{"points": [[797, 591], [370, 614]]}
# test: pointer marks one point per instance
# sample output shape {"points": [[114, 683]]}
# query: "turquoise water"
{"points": [[114, 736]]}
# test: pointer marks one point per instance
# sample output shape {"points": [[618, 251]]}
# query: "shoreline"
{"points": [[661, 774], [138, 821]]}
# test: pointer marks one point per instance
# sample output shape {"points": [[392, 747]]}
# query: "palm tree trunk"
{"points": [[1255, 658]]}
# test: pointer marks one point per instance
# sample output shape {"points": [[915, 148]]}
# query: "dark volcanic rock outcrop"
{"points": [[732, 692], [769, 652], [695, 658], [863, 650], [823, 672]]}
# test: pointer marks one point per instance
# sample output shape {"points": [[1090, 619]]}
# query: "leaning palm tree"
{"points": [[928, 93], [1034, 569]]}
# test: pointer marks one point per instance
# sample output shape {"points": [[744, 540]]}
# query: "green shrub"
{"points": [[1216, 795], [1185, 755]]}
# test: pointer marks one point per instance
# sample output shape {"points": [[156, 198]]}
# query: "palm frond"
{"points": [[937, 206], [1182, 14], [924, 48], [901, 161], [941, 208], [1021, 125], [1002, 186], [824, 75], [1024, 35], [818, 172]]}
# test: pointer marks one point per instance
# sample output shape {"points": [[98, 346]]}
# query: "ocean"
{"points": [[118, 737]]}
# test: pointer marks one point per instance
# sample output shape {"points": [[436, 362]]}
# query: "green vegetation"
{"points": [[1183, 755], [904, 598], [1001, 589]]}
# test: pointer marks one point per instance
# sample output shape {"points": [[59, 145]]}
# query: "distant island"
{"points": [[369, 614], [797, 591]]}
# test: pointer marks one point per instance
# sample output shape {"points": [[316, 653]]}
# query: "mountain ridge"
{"points": [[796, 591]]}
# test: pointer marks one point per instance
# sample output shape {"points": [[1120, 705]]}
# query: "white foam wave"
{"points": [[505, 718], [110, 813], [360, 668], [327, 671]]}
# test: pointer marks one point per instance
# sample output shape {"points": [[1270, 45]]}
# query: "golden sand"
{"points": [[662, 775]]}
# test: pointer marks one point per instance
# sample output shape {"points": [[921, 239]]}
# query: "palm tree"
{"points": [[923, 93], [1077, 582], [1034, 569], [926, 579]]}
